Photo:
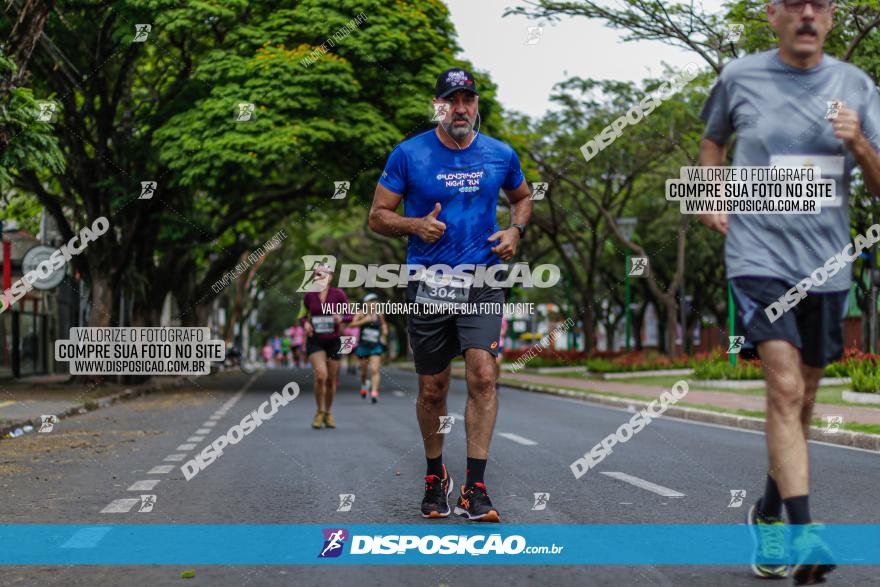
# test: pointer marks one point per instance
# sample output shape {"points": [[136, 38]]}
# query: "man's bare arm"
{"points": [[713, 155], [386, 221], [383, 217], [848, 127], [520, 204], [520, 213]]}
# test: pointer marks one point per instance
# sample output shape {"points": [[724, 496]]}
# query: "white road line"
{"points": [[188, 446], [214, 417], [203, 431], [646, 485], [195, 439], [160, 470], [176, 458], [458, 417], [517, 439], [87, 537], [145, 485], [121, 506], [398, 393], [209, 424]]}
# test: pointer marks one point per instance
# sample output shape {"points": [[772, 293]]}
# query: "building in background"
{"points": [[29, 328]]}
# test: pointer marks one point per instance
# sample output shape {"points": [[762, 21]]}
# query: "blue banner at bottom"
{"points": [[442, 543]]}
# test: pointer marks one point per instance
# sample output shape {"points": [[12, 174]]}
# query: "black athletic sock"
{"points": [[435, 466], [798, 509], [771, 503], [476, 468]]}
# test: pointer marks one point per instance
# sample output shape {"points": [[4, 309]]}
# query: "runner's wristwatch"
{"points": [[521, 228]]}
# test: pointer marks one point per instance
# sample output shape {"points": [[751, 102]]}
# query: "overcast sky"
{"points": [[525, 74]]}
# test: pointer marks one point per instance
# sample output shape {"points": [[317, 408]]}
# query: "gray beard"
{"points": [[458, 133]]}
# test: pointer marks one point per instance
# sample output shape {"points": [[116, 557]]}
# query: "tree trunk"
{"points": [[609, 333], [638, 319], [588, 315], [671, 325], [101, 290]]}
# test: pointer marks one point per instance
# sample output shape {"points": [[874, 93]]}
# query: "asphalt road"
{"points": [[287, 473]]}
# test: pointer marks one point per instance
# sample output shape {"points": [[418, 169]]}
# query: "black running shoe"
{"points": [[437, 492], [474, 504]]}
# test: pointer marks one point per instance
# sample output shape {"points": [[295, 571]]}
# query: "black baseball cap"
{"points": [[453, 80]]}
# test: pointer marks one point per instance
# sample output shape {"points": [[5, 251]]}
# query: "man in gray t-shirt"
{"points": [[793, 107]]}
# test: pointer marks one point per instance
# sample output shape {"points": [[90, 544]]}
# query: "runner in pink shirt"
{"points": [[323, 344], [297, 339]]}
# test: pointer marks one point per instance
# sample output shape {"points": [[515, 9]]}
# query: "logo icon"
{"points": [[736, 498], [734, 32], [533, 35], [347, 344], [47, 423], [334, 540], [541, 500], [833, 424], [735, 344], [147, 503], [346, 500], [141, 32], [446, 423], [638, 266], [539, 190], [340, 190], [45, 111], [441, 110], [148, 188], [832, 109], [246, 112], [457, 78], [319, 269]]}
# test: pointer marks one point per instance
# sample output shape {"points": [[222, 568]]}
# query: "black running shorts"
{"points": [[331, 346], [814, 325], [436, 339]]}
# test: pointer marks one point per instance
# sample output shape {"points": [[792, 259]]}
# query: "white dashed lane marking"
{"points": [[87, 537], [145, 485], [160, 470], [124, 505], [517, 438], [646, 485], [121, 506]]}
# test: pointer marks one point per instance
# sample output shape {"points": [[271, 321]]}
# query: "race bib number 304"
{"points": [[447, 289]]}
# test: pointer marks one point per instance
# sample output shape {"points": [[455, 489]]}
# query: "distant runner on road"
{"points": [[323, 342], [371, 346]]}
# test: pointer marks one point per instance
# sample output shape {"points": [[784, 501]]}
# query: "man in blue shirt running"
{"points": [[449, 179]]}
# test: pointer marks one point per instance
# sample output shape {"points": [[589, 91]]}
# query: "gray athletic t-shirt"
{"points": [[778, 114]]}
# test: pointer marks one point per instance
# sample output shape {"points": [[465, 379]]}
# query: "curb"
{"points": [[843, 437], [98, 403]]}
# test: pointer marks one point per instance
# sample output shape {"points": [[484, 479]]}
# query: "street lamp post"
{"points": [[627, 226]]}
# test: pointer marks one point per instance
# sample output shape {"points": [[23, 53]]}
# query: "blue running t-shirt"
{"points": [[465, 182]]}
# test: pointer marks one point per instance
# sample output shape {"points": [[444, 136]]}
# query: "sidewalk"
{"points": [[23, 401], [718, 399]]}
